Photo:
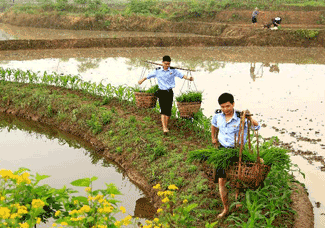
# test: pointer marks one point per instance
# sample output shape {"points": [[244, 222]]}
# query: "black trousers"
{"points": [[165, 101]]}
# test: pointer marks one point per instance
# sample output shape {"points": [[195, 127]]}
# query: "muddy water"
{"points": [[282, 87], [65, 158]]}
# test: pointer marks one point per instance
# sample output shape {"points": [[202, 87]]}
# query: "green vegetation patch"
{"points": [[192, 96], [135, 133], [306, 33]]}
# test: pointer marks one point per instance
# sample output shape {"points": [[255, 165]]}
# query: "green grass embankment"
{"points": [[133, 138]]}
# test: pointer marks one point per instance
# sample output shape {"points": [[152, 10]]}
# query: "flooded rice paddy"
{"points": [[282, 87], [65, 158]]}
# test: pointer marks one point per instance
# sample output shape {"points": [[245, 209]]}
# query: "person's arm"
{"points": [[142, 80], [188, 78], [213, 134]]}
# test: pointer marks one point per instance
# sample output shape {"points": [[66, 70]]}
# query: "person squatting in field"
{"points": [[275, 22], [166, 82], [227, 120]]}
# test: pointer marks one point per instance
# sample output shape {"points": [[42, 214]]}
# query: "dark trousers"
{"points": [[165, 101]]}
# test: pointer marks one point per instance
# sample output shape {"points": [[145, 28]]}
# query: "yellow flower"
{"points": [[157, 186], [36, 203], [112, 195], [168, 193], [148, 222], [6, 174], [156, 220], [2, 198], [4, 212], [57, 213], [73, 212], [24, 225], [172, 187], [88, 189], [126, 220], [159, 210], [165, 200], [14, 215], [75, 202], [185, 201], [64, 224], [160, 193], [84, 208], [117, 223], [38, 220], [99, 197], [123, 209], [54, 224]]}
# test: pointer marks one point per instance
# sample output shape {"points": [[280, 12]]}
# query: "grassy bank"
{"points": [[107, 117]]}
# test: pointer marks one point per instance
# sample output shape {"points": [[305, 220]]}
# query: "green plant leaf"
{"points": [[81, 199], [93, 178], [41, 177], [85, 182]]}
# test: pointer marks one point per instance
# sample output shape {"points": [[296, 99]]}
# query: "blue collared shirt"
{"points": [[227, 130], [165, 78]]}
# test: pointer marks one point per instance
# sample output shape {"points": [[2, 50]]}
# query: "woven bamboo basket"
{"points": [[246, 175], [188, 109], [145, 100], [250, 175]]}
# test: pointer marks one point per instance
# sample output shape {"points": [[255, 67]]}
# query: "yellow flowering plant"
{"points": [[24, 203], [174, 212]]}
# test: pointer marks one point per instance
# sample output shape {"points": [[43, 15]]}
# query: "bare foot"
{"points": [[223, 214], [166, 130]]}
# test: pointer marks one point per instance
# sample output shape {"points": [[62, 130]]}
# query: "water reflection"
{"points": [[87, 64], [257, 70]]}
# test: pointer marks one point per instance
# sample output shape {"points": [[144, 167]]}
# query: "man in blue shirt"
{"points": [[166, 82], [227, 120]]}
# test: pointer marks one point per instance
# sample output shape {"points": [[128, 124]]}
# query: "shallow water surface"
{"points": [[282, 87], [48, 151]]}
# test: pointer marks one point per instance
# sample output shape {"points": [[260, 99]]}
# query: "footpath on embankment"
{"points": [[208, 33], [133, 139]]}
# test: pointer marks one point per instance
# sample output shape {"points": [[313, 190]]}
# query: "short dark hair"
{"points": [[225, 97], [167, 58]]}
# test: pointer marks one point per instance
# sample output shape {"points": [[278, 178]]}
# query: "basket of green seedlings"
{"points": [[146, 98], [189, 103], [253, 171]]}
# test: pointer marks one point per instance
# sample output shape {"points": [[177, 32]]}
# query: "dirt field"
{"points": [[227, 28]]}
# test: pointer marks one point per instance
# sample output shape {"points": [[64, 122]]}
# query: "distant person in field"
{"points": [[275, 22], [254, 16]]}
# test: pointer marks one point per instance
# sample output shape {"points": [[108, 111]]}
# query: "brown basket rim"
{"points": [[193, 102], [144, 94]]}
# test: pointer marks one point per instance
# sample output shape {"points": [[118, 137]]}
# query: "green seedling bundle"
{"points": [[224, 157], [152, 89], [190, 97]]}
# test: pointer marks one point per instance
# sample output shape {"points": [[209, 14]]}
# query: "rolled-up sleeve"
{"points": [[151, 75], [178, 74], [214, 121]]}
